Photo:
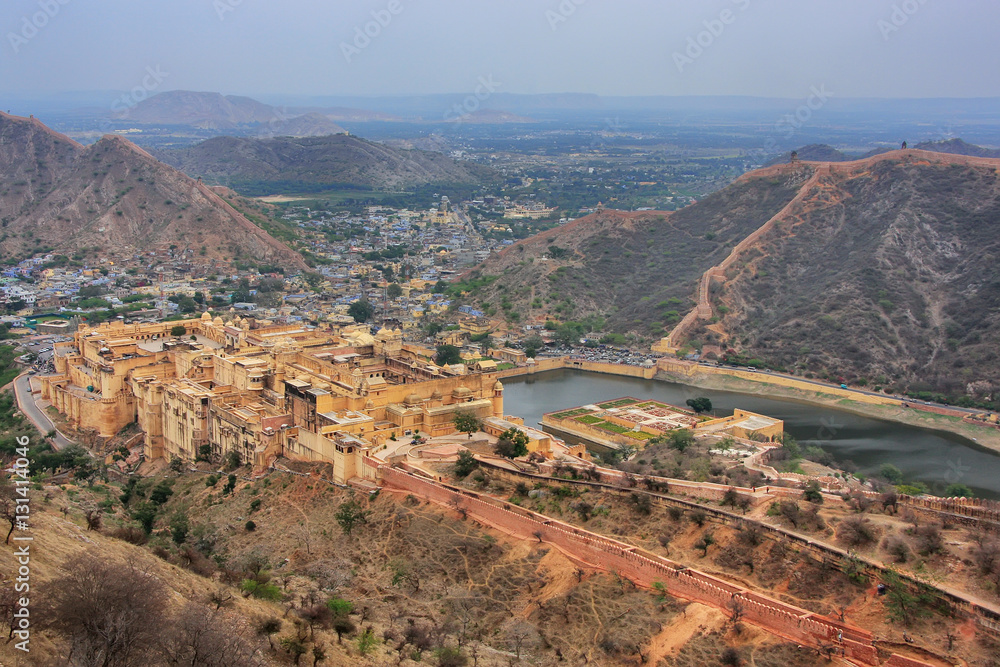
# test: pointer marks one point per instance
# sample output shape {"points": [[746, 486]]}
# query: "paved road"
{"points": [[26, 402]]}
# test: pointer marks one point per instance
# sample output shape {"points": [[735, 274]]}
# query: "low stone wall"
{"points": [[902, 661], [556, 363], [987, 619], [687, 368], [787, 621], [587, 432]]}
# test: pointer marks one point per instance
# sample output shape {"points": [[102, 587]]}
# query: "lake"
{"points": [[936, 458]]}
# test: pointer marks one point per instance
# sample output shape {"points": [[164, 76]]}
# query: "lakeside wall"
{"points": [[688, 369], [678, 370], [557, 363]]}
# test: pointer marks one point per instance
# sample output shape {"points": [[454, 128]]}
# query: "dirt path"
{"points": [[695, 618]]}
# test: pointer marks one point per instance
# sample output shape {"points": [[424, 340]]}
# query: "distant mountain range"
{"points": [[883, 269], [283, 164], [114, 200], [958, 147], [208, 111], [213, 111]]}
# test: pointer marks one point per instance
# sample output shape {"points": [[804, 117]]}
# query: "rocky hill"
{"points": [[882, 269], [112, 199], [265, 166], [814, 153], [638, 270], [208, 111], [958, 147], [306, 125]]}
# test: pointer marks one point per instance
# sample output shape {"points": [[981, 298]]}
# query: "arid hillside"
{"points": [[881, 270], [306, 125], [311, 164], [114, 200], [639, 271], [884, 270]]}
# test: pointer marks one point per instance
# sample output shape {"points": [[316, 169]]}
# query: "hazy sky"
{"points": [[768, 48]]}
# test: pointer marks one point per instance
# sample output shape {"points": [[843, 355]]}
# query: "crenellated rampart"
{"points": [[644, 569]]}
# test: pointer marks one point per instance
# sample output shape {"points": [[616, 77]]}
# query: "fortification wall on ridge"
{"points": [[644, 570]]}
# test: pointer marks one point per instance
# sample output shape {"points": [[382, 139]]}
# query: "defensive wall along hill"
{"points": [[602, 553]]}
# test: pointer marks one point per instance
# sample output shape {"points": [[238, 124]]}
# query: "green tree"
{"points": [[185, 303], [313, 280], [349, 515], [680, 439], [179, 528], [261, 590], [532, 344], [891, 473], [958, 491], [704, 542], [903, 603], [568, 334], [145, 514], [700, 405], [204, 453], [339, 606], [233, 459], [465, 464], [813, 493], [361, 310], [367, 641], [447, 355], [161, 493], [242, 292], [512, 443], [394, 291], [466, 422], [178, 330], [450, 656]]}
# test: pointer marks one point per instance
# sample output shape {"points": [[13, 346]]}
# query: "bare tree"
{"points": [[316, 614], [8, 504], [220, 597], [111, 613], [736, 611], [269, 627], [517, 635], [8, 605], [206, 638]]}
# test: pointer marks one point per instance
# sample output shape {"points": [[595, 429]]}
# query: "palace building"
{"points": [[324, 393]]}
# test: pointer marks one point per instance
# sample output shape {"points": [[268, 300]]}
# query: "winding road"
{"points": [[27, 405]]}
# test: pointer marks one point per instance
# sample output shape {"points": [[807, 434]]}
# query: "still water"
{"points": [[936, 458]]}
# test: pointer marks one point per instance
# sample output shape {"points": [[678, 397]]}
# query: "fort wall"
{"points": [[596, 551]]}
